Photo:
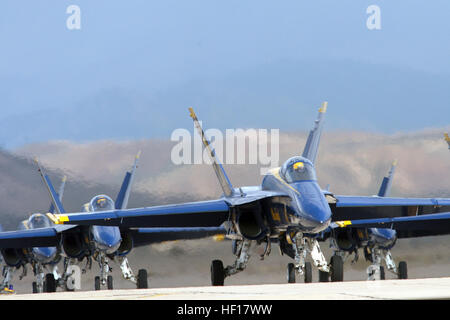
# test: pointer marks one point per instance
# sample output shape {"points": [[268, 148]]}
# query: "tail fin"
{"points": [[60, 194], [312, 144], [124, 193], [447, 138], [385, 187], [218, 168], [54, 197]]}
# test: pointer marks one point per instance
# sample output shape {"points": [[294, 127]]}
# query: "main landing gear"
{"points": [[241, 248], [376, 271], [105, 278], [45, 282], [300, 245]]}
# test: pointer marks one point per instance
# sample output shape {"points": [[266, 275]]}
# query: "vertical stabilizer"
{"points": [[124, 193], [54, 197], [312, 144], [385, 187], [60, 194], [218, 168]]}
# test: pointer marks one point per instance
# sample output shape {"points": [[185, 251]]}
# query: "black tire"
{"points": [[109, 282], [50, 283], [290, 273], [382, 273], [142, 281], [307, 272], [97, 283], [34, 286], [337, 269], [402, 270], [217, 273], [323, 276]]}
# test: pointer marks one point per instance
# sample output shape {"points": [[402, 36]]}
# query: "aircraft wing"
{"points": [[146, 236], [28, 238], [210, 213], [406, 227], [362, 207], [49, 237]]}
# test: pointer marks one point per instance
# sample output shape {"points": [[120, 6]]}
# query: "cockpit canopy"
{"points": [[38, 220], [297, 169], [101, 203]]}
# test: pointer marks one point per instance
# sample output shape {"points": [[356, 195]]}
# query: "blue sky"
{"points": [[149, 60]]}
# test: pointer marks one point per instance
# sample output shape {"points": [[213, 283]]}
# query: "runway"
{"points": [[431, 288]]}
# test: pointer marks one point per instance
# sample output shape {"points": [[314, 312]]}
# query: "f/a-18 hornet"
{"points": [[40, 258]]}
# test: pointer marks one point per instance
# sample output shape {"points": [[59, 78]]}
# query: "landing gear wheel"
{"points": [[97, 283], [382, 273], [34, 285], [109, 282], [323, 276], [50, 283], [142, 282], [308, 272], [291, 273], [337, 269], [217, 273], [402, 270]]}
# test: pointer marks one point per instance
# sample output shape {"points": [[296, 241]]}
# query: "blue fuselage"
{"points": [[44, 254], [305, 208], [382, 238], [107, 239]]}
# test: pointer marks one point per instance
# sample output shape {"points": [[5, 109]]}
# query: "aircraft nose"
{"points": [[107, 238], [318, 220], [44, 253], [313, 209]]}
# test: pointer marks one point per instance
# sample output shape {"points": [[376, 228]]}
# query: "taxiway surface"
{"points": [[431, 288]]}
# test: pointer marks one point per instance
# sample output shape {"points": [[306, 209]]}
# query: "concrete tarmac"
{"points": [[430, 288]]}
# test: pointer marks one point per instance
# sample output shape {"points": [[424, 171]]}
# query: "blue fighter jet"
{"points": [[40, 258], [288, 208], [105, 243], [375, 242], [102, 243]]}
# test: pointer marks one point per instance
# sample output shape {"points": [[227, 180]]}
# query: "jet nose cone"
{"points": [[318, 225], [107, 238], [317, 219], [44, 254]]}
